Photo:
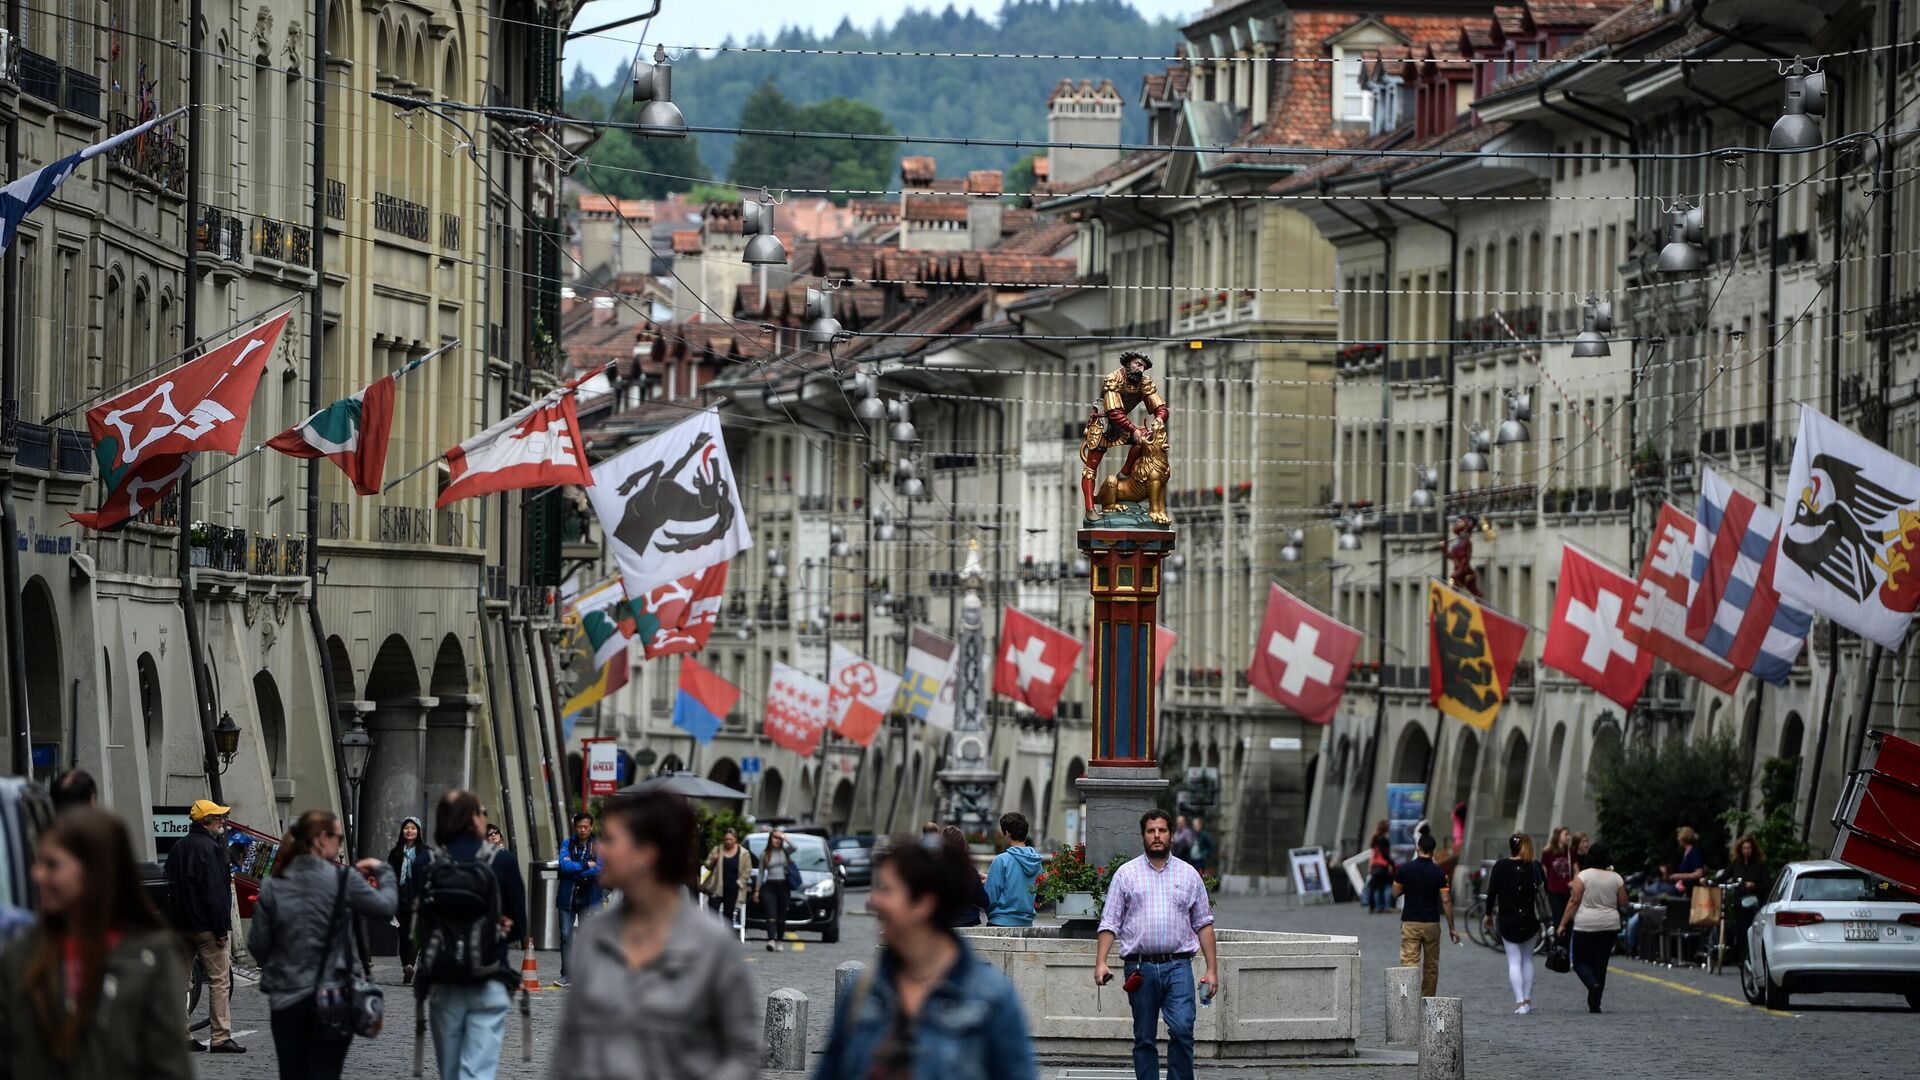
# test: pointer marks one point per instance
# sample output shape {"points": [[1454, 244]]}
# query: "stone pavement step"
{"points": [[1250, 1070]]}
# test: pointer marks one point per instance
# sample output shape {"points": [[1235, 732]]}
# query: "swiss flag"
{"points": [[796, 709], [1034, 661], [1658, 621], [1588, 637], [1301, 657]]}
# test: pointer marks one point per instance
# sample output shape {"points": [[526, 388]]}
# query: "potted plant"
{"points": [[199, 536], [1070, 883]]}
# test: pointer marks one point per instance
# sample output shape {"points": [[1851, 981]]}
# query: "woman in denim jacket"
{"points": [[928, 1009]]}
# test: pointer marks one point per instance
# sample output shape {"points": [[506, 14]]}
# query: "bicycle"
{"points": [[196, 984]]}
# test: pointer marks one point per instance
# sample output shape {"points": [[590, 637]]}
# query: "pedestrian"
{"points": [[1513, 911], [926, 1007], [1158, 913], [409, 855], [1379, 892], [662, 991], [92, 990], [1182, 839], [1593, 913], [578, 896], [75, 787], [473, 906], [977, 902], [200, 893], [1556, 862], [496, 837], [1010, 875], [1203, 848], [1747, 876], [929, 828], [779, 876], [301, 937], [1693, 863], [1421, 887], [729, 877], [1654, 886]]}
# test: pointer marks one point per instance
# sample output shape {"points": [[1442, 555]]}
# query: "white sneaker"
{"points": [[1523, 1009]]}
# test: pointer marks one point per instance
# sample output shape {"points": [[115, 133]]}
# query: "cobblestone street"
{"points": [[1652, 1014]]}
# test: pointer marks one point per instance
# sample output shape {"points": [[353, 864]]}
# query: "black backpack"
{"points": [[459, 919]]}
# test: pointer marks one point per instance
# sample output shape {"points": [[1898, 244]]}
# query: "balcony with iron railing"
{"points": [[403, 217], [282, 241], [80, 93], [450, 231], [1496, 329], [404, 525], [219, 234], [38, 76], [158, 157]]}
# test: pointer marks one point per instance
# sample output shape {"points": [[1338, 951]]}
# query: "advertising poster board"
{"points": [[1406, 809], [1310, 876]]}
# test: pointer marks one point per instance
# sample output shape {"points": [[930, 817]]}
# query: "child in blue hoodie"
{"points": [[1010, 878]]}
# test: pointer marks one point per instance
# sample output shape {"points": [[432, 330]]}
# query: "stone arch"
{"points": [[40, 624], [450, 723], [422, 74], [273, 724], [393, 672], [1607, 742], [773, 784], [395, 784], [1556, 749], [1466, 762], [1213, 755], [339, 30], [877, 769], [1513, 779], [1793, 736], [1029, 808], [1750, 729], [1412, 757], [153, 724], [917, 772], [841, 810], [725, 771], [345, 686]]}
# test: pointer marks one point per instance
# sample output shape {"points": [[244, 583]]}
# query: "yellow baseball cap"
{"points": [[205, 808]]}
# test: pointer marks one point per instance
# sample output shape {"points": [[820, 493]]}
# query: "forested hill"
{"points": [[1003, 99]]}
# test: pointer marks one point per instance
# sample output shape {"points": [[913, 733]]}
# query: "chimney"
{"points": [[603, 310], [916, 171], [568, 300], [1082, 113], [984, 188]]}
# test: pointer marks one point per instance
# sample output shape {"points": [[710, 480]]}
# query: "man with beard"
{"points": [[1157, 909], [1123, 388]]}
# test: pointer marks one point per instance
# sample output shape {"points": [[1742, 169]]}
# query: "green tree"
{"points": [[630, 166], [760, 159], [776, 161], [1776, 831], [1020, 178], [1651, 788]]}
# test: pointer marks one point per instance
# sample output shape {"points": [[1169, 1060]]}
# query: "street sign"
{"points": [[1283, 742], [749, 766], [603, 767]]}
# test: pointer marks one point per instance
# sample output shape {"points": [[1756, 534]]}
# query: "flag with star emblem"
{"points": [[351, 432], [536, 447], [928, 678], [1588, 636], [796, 709], [1471, 653], [1034, 661], [1658, 621], [861, 693], [147, 438], [1301, 657]]}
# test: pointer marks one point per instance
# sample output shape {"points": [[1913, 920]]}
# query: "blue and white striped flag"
{"points": [[24, 195]]}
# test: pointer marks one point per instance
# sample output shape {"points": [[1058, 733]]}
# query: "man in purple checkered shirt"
{"points": [[1157, 909]]}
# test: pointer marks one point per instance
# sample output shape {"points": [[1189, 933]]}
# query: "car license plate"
{"points": [[1863, 931]]}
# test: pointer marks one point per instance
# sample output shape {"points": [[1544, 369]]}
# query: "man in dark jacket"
{"points": [[579, 894], [201, 891]]}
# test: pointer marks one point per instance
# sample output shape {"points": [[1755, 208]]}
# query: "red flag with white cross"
{"points": [[1034, 661], [1302, 655], [1588, 637]]}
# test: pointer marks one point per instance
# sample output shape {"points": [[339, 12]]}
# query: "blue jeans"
{"points": [[469, 1023], [1166, 993], [570, 921], [1380, 897]]}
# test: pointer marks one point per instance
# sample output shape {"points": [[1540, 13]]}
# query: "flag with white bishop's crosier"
{"points": [[352, 432]]}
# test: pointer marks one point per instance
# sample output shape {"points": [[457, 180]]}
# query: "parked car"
{"points": [[1829, 928], [25, 810], [815, 906], [853, 854]]}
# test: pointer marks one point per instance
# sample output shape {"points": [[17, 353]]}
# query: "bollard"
{"points": [[844, 976], [1442, 1039], [787, 1031], [1403, 1007]]}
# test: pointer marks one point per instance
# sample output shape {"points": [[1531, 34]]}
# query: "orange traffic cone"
{"points": [[529, 971]]}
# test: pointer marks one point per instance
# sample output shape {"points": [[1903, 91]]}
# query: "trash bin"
{"points": [[543, 888]]}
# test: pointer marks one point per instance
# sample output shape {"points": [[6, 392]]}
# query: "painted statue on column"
{"points": [[1137, 494], [1459, 550]]}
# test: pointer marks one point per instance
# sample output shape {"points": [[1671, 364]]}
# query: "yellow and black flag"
{"points": [[1472, 650]]}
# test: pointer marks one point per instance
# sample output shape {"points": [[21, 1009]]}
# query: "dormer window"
{"points": [[1387, 93], [1352, 100]]}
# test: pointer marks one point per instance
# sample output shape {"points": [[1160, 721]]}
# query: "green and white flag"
{"points": [[352, 431]]}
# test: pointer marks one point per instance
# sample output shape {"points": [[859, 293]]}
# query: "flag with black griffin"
{"points": [[1848, 548]]}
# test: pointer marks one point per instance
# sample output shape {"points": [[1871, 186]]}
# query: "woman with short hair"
{"points": [[302, 936], [927, 1007], [93, 990], [659, 987]]}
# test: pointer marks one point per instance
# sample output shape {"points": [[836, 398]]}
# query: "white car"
{"points": [[1826, 927]]}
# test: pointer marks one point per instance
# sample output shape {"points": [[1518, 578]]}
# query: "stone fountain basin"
{"points": [[1284, 996]]}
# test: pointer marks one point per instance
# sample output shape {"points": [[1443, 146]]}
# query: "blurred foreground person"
{"points": [[473, 906]]}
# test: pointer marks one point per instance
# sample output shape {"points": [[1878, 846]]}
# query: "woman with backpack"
{"points": [[301, 937], [409, 855], [927, 1005], [473, 907], [92, 990], [1513, 899], [659, 986]]}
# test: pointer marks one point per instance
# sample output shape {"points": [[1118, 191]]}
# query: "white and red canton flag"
{"points": [[1034, 661], [1588, 636], [1658, 621], [538, 446], [796, 709], [146, 438], [1301, 657], [862, 691]]}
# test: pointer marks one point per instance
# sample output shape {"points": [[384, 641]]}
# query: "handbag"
{"points": [[1703, 903], [359, 1008], [1557, 958]]}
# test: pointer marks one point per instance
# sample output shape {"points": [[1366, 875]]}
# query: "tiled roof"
{"points": [[721, 217], [985, 182], [935, 208], [1041, 168], [634, 209], [1625, 25], [875, 209], [1104, 175], [1454, 140], [916, 169], [923, 326], [1044, 237], [686, 241]]}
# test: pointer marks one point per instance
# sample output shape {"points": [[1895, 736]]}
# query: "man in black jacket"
{"points": [[200, 889]]}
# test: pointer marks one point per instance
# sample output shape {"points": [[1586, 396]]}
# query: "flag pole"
{"points": [[257, 447], [569, 390]]}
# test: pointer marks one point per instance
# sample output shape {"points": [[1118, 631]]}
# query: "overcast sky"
{"points": [[708, 22]]}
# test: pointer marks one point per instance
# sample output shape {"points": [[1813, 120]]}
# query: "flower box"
{"points": [[1077, 905]]}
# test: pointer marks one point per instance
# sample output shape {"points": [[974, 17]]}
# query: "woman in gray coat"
{"points": [[660, 991], [302, 938]]}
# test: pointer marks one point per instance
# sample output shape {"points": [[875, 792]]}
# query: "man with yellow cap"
{"points": [[199, 896]]}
